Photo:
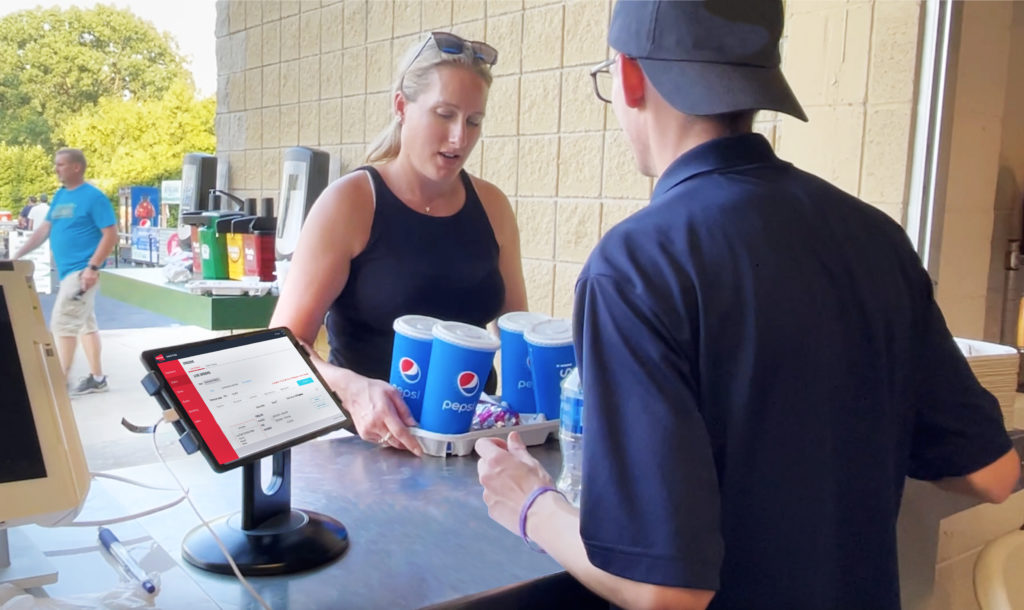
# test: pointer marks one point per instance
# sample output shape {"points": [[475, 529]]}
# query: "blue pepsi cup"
{"points": [[460, 360], [410, 358], [552, 358], [516, 379]]}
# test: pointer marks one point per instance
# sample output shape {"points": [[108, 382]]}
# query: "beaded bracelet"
{"points": [[526, 508]]}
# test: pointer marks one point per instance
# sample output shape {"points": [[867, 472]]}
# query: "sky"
{"points": [[190, 22]]}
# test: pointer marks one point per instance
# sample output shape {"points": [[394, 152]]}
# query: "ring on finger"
{"points": [[384, 440]]}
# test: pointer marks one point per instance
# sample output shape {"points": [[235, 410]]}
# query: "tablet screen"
{"points": [[246, 396]]}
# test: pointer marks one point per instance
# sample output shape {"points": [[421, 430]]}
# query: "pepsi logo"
{"points": [[469, 383], [409, 370]]}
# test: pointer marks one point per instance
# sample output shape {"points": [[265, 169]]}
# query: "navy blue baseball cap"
{"points": [[707, 56]]}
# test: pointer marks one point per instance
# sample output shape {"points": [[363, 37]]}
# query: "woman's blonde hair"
{"points": [[417, 65]]}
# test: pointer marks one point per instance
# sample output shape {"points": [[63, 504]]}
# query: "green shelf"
{"points": [[147, 288]]}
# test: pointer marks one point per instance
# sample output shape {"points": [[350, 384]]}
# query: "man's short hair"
{"points": [[74, 155], [31, 199], [42, 198]]}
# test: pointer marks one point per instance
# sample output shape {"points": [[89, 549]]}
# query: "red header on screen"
{"points": [[198, 413]]}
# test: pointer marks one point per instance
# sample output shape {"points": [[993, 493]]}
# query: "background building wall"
{"points": [[967, 233], [1003, 292], [318, 74]]}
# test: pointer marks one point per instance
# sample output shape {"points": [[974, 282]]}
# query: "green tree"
{"points": [[134, 142], [55, 62], [24, 171]]}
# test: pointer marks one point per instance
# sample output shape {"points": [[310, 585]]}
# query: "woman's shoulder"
{"points": [[351, 190], [490, 195], [346, 205], [341, 218]]}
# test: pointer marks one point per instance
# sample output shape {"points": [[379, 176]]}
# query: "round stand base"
{"points": [[296, 541]]}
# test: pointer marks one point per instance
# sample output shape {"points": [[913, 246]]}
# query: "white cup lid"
{"points": [[550, 333], [466, 335], [417, 327], [519, 321]]}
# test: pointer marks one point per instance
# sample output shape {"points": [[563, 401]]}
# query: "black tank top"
{"points": [[413, 263]]}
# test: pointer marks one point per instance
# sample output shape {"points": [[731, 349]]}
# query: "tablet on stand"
{"points": [[241, 398]]}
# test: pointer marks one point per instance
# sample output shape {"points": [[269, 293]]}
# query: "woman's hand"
{"points": [[378, 411]]}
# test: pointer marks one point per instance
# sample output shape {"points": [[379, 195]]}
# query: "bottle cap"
{"points": [[571, 383]]}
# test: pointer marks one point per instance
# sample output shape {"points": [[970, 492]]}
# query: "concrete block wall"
{"points": [[853, 65], [317, 73]]}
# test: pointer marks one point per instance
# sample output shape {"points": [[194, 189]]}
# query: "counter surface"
{"points": [[418, 527], [147, 288]]}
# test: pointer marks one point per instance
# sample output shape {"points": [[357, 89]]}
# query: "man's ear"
{"points": [[632, 78]]}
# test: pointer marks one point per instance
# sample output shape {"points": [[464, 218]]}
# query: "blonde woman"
{"points": [[409, 233]]}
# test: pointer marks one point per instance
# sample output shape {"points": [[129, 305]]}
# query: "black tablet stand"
{"points": [[268, 536]]}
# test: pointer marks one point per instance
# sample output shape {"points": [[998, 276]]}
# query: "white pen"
{"points": [[124, 558]]}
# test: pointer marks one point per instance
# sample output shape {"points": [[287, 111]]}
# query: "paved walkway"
{"points": [[113, 314], [107, 443], [125, 331]]}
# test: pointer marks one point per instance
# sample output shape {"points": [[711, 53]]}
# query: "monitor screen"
{"points": [[43, 474], [246, 396], [21, 457]]}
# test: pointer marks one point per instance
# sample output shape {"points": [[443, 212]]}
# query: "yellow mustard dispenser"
{"points": [[236, 256]]}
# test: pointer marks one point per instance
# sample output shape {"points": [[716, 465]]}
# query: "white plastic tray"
{"points": [[229, 287], [441, 445]]}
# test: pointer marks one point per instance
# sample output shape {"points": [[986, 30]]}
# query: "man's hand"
{"points": [[88, 278], [508, 473]]}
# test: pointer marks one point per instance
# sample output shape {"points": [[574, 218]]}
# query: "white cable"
{"points": [[123, 518], [117, 477], [223, 549]]}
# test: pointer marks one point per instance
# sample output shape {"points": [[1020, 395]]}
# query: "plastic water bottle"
{"points": [[570, 436]]}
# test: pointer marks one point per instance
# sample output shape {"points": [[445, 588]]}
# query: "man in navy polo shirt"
{"points": [[762, 357]]}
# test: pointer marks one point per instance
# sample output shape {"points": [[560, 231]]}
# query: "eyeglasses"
{"points": [[602, 75], [452, 44]]}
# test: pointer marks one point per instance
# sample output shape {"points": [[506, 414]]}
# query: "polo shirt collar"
{"points": [[716, 155]]}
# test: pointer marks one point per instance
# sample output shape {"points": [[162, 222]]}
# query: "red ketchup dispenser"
{"points": [[258, 244]]}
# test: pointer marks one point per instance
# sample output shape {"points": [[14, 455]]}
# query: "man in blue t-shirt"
{"points": [[762, 357], [81, 227]]}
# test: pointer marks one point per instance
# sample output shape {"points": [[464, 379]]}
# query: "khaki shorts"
{"points": [[74, 314]]}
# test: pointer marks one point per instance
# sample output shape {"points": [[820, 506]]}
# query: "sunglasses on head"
{"points": [[446, 42]]}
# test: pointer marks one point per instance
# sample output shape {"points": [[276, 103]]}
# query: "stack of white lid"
{"points": [[995, 366]]}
